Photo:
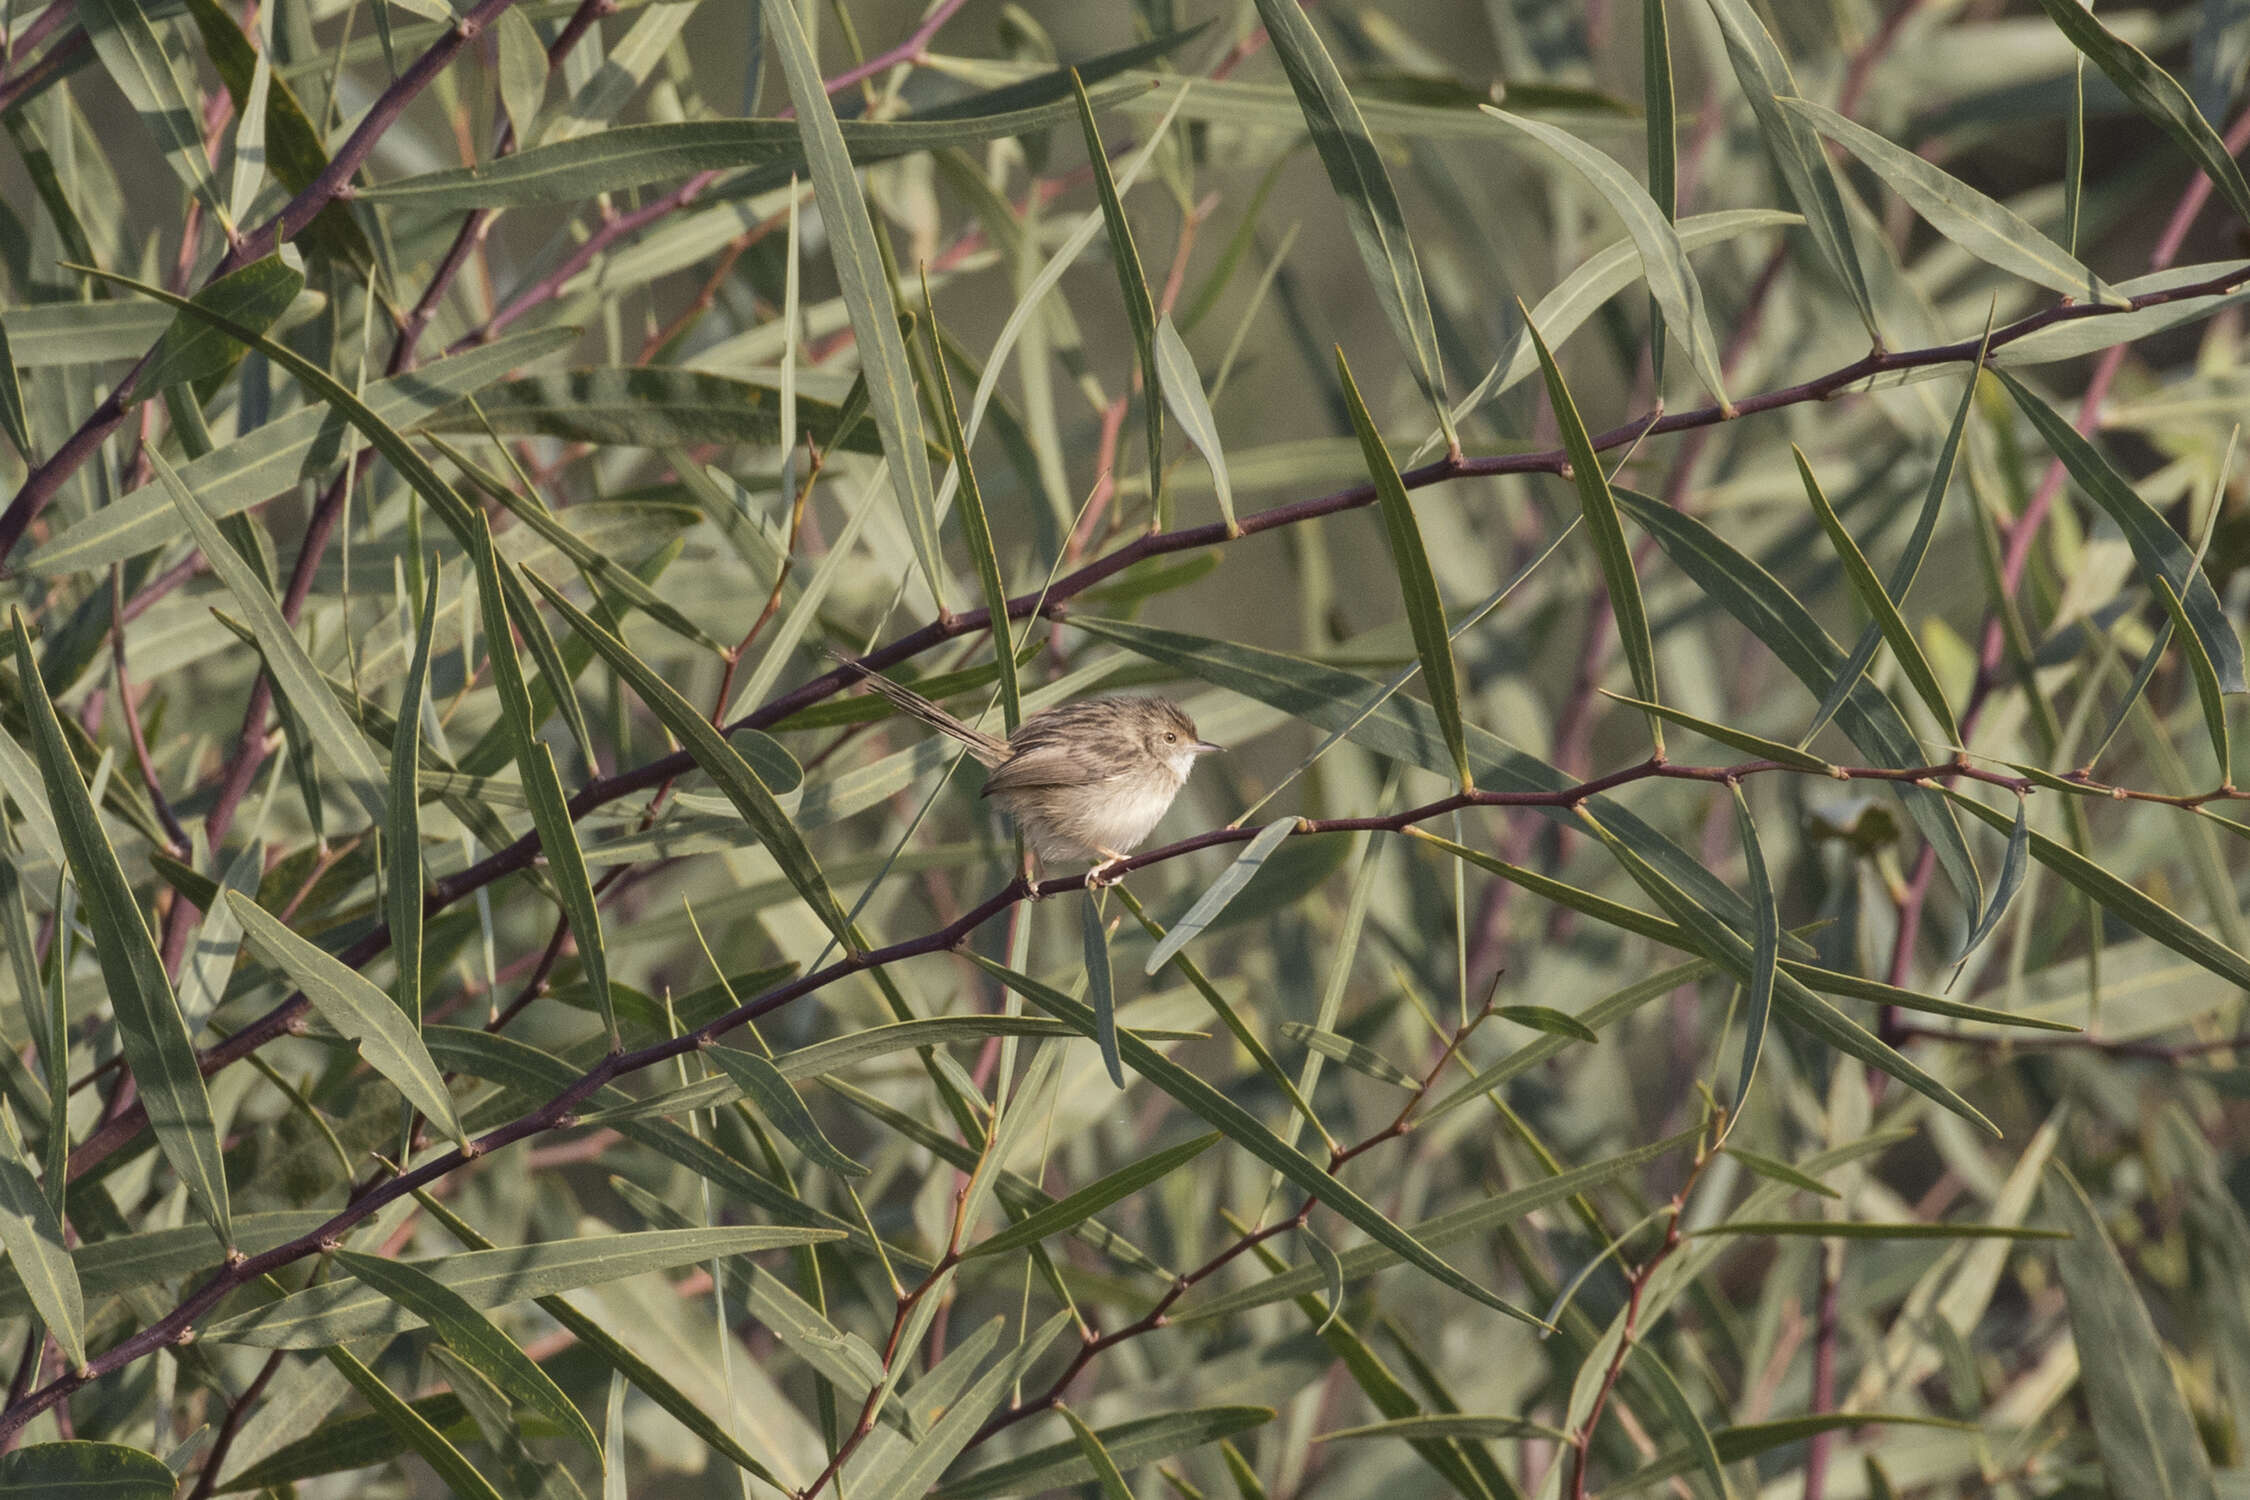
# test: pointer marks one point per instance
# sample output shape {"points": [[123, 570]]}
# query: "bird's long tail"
{"points": [[990, 750]]}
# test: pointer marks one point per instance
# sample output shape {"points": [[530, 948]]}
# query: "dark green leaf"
{"points": [[1143, 1440], [1546, 1018], [1425, 611], [94, 1471], [2155, 544], [388, 1038], [770, 1094], [472, 1335], [1140, 308], [154, 1037], [2147, 1436], [1371, 207]]}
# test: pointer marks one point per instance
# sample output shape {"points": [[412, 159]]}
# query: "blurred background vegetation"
{"points": [[1825, 1082]]}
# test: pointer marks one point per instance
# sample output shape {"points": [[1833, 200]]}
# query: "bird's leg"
{"points": [[1030, 872], [1109, 872]]}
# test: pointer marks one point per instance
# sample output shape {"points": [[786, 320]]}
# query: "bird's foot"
{"points": [[1108, 873]]}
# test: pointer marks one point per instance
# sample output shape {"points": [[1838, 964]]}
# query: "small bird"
{"points": [[1085, 780]]}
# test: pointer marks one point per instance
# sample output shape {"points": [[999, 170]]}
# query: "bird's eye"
{"points": [[1170, 738]]}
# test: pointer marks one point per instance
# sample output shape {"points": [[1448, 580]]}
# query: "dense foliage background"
{"points": [[1711, 532]]}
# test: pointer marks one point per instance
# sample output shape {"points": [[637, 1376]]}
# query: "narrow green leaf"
{"points": [[1067, 1213], [1331, 1270], [1599, 506], [134, 57], [67, 1471], [623, 1362], [1106, 1474], [916, 1474], [458, 1474], [1131, 1444], [402, 833], [1798, 1003], [1222, 891], [721, 761], [866, 290], [2206, 679], [1781, 1171], [2012, 867], [2156, 546], [341, 744], [255, 467], [1747, 1440], [523, 72], [350, 1002], [13, 420], [977, 527], [623, 157], [1549, 1020], [2123, 900], [2150, 661], [32, 1235], [1857, 571], [1140, 308], [1242, 1127], [1659, 107], [2148, 1438], [645, 406], [1101, 982], [1775, 616], [192, 350], [1470, 1222], [153, 1036], [333, 1312], [2158, 96], [1726, 734], [1764, 75], [770, 1094], [535, 760], [1909, 564], [1183, 392], [1355, 169], [1406, 729], [1425, 611], [1854, 1229], [1448, 1425], [1664, 263], [473, 1336], [1354, 1055], [600, 568], [1987, 229], [1578, 296]]}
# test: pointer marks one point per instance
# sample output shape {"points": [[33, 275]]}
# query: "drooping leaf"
{"points": [[2157, 95], [770, 1094], [1140, 307], [866, 290], [1905, 649], [31, 1233], [720, 760], [1425, 611], [1989, 230], [1066, 1213], [977, 526], [1599, 507], [255, 467], [1220, 892], [133, 55], [461, 1477], [192, 350], [1664, 263], [2142, 1425], [1763, 72], [153, 1036], [335, 1311], [1244, 1129], [65, 1471], [1769, 611], [1371, 206], [535, 761], [472, 1335], [1183, 392], [1143, 1440]]}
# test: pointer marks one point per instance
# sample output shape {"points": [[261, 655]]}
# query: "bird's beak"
{"points": [[1205, 747]]}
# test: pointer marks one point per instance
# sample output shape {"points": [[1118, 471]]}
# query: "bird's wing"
{"points": [[1043, 765]]}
